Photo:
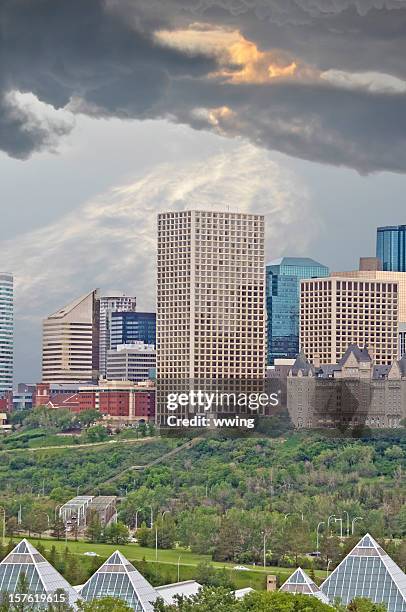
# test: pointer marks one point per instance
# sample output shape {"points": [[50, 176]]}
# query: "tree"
{"points": [[362, 604], [106, 604], [97, 433], [297, 538], [229, 541], [35, 522], [88, 417], [223, 600], [207, 600], [116, 533], [143, 535], [208, 575], [12, 526], [58, 528], [53, 556], [94, 528], [166, 533], [72, 570], [331, 549]]}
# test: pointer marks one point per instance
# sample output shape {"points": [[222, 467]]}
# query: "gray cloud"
{"points": [[101, 58], [21, 130]]}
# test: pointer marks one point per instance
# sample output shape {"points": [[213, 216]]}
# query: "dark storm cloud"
{"points": [[21, 131], [104, 57], [57, 49]]}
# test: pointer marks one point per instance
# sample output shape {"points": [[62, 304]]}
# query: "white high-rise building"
{"points": [[135, 362], [6, 332], [70, 342], [108, 304], [211, 296]]}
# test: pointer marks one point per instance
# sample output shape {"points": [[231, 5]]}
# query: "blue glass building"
{"points": [[391, 247], [130, 327], [283, 278]]}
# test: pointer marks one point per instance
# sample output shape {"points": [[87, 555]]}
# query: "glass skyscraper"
{"points": [[283, 278], [130, 327], [6, 332], [391, 247]]}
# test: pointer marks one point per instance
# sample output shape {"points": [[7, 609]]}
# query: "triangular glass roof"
{"points": [[300, 582], [368, 571], [41, 577], [117, 577]]}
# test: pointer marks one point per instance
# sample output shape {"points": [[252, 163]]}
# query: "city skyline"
{"points": [[86, 163], [125, 295]]}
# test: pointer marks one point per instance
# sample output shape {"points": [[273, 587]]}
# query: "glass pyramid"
{"points": [[299, 582], [41, 577], [118, 578], [367, 571]]}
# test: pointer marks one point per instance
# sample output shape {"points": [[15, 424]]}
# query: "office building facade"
{"points": [[130, 327], [109, 304], [340, 310], [211, 296], [373, 271], [6, 332], [133, 362], [283, 278], [391, 247], [70, 342]]}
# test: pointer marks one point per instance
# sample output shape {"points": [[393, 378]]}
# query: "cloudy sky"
{"points": [[113, 110]]}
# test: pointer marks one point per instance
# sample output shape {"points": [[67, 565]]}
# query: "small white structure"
{"points": [[186, 589]]}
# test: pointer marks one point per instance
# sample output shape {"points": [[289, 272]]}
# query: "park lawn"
{"points": [[254, 576]]}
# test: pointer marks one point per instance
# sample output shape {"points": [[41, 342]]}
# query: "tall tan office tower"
{"points": [[211, 296], [70, 342], [341, 310]]}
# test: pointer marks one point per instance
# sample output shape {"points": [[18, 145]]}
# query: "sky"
{"points": [[114, 110]]}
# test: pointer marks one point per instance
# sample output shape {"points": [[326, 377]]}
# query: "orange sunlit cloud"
{"points": [[239, 60]]}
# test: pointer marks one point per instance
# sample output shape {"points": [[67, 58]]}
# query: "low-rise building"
{"points": [[75, 510], [121, 401], [4, 426], [355, 392], [105, 508], [22, 401], [6, 401], [131, 362]]}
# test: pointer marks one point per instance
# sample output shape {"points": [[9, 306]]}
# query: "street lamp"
{"points": [[156, 544], [264, 550], [152, 516], [328, 565], [354, 520], [348, 522], [136, 520], [179, 567], [328, 522], [3, 521], [163, 514], [318, 534]]}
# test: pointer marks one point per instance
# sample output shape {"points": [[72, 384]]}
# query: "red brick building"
{"points": [[120, 401], [6, 401]]}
